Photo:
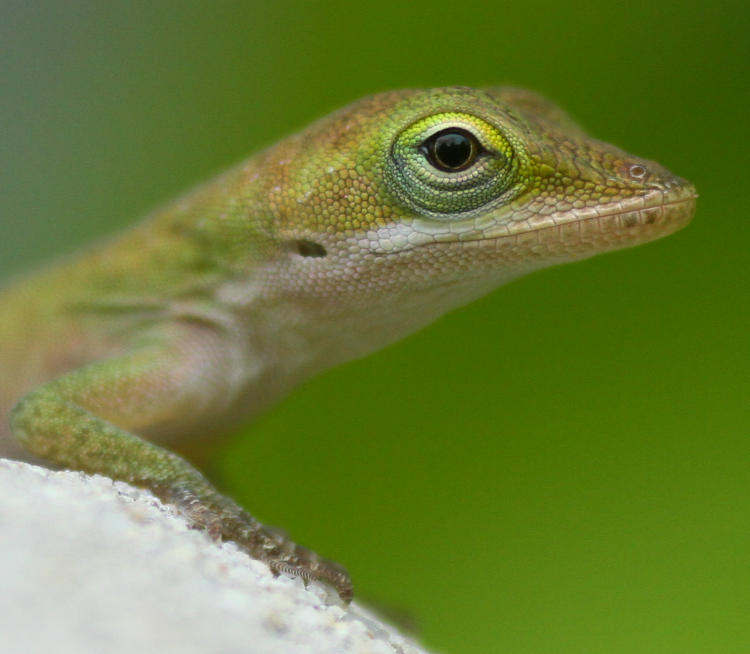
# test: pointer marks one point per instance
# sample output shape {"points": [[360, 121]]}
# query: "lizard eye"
{"points": [[451, 150], [449, 164]]}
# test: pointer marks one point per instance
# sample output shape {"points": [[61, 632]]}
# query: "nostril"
{"points": [[637, 171]]}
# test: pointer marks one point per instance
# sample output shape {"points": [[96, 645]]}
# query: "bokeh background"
{"points": [[563, 466]]}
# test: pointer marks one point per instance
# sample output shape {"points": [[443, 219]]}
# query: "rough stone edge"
{"points": [[107, 567]]}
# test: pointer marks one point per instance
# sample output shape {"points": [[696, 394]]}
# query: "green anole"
{"points": [[331, 244]]}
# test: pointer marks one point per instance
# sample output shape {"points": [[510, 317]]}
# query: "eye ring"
{"points": [[444, 184], [451, 150]]}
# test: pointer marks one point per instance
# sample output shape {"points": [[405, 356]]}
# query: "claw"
{"points": [[325, 572]]}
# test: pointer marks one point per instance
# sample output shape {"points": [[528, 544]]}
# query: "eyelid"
{"points": [[466, 126]]}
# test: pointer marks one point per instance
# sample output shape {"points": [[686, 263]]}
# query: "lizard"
{"points": [[364, 227]]}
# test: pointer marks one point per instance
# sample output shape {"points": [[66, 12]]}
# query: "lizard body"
{"points": [[331, 244]]}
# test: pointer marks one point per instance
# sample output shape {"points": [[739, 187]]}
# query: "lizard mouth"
{"points": [[630, 222], [565, 235], [578, 233]]}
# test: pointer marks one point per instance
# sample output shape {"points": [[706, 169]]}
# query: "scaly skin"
{"points": [[341, 239]]}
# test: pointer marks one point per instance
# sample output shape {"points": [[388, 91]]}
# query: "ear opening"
{"points": [[306, 248]]}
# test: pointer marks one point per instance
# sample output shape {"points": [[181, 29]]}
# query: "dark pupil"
{"points": [[452, 150]]}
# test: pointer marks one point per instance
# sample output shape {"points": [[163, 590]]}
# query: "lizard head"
{"points": [[459, 187]]}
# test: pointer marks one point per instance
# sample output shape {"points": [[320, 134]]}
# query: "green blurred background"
{"points": [[563, 466]]}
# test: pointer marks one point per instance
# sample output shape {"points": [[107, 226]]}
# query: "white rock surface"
{"points": [[88, 565]]}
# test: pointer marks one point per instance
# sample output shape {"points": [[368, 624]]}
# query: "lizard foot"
{"points": [[222, 518]]}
